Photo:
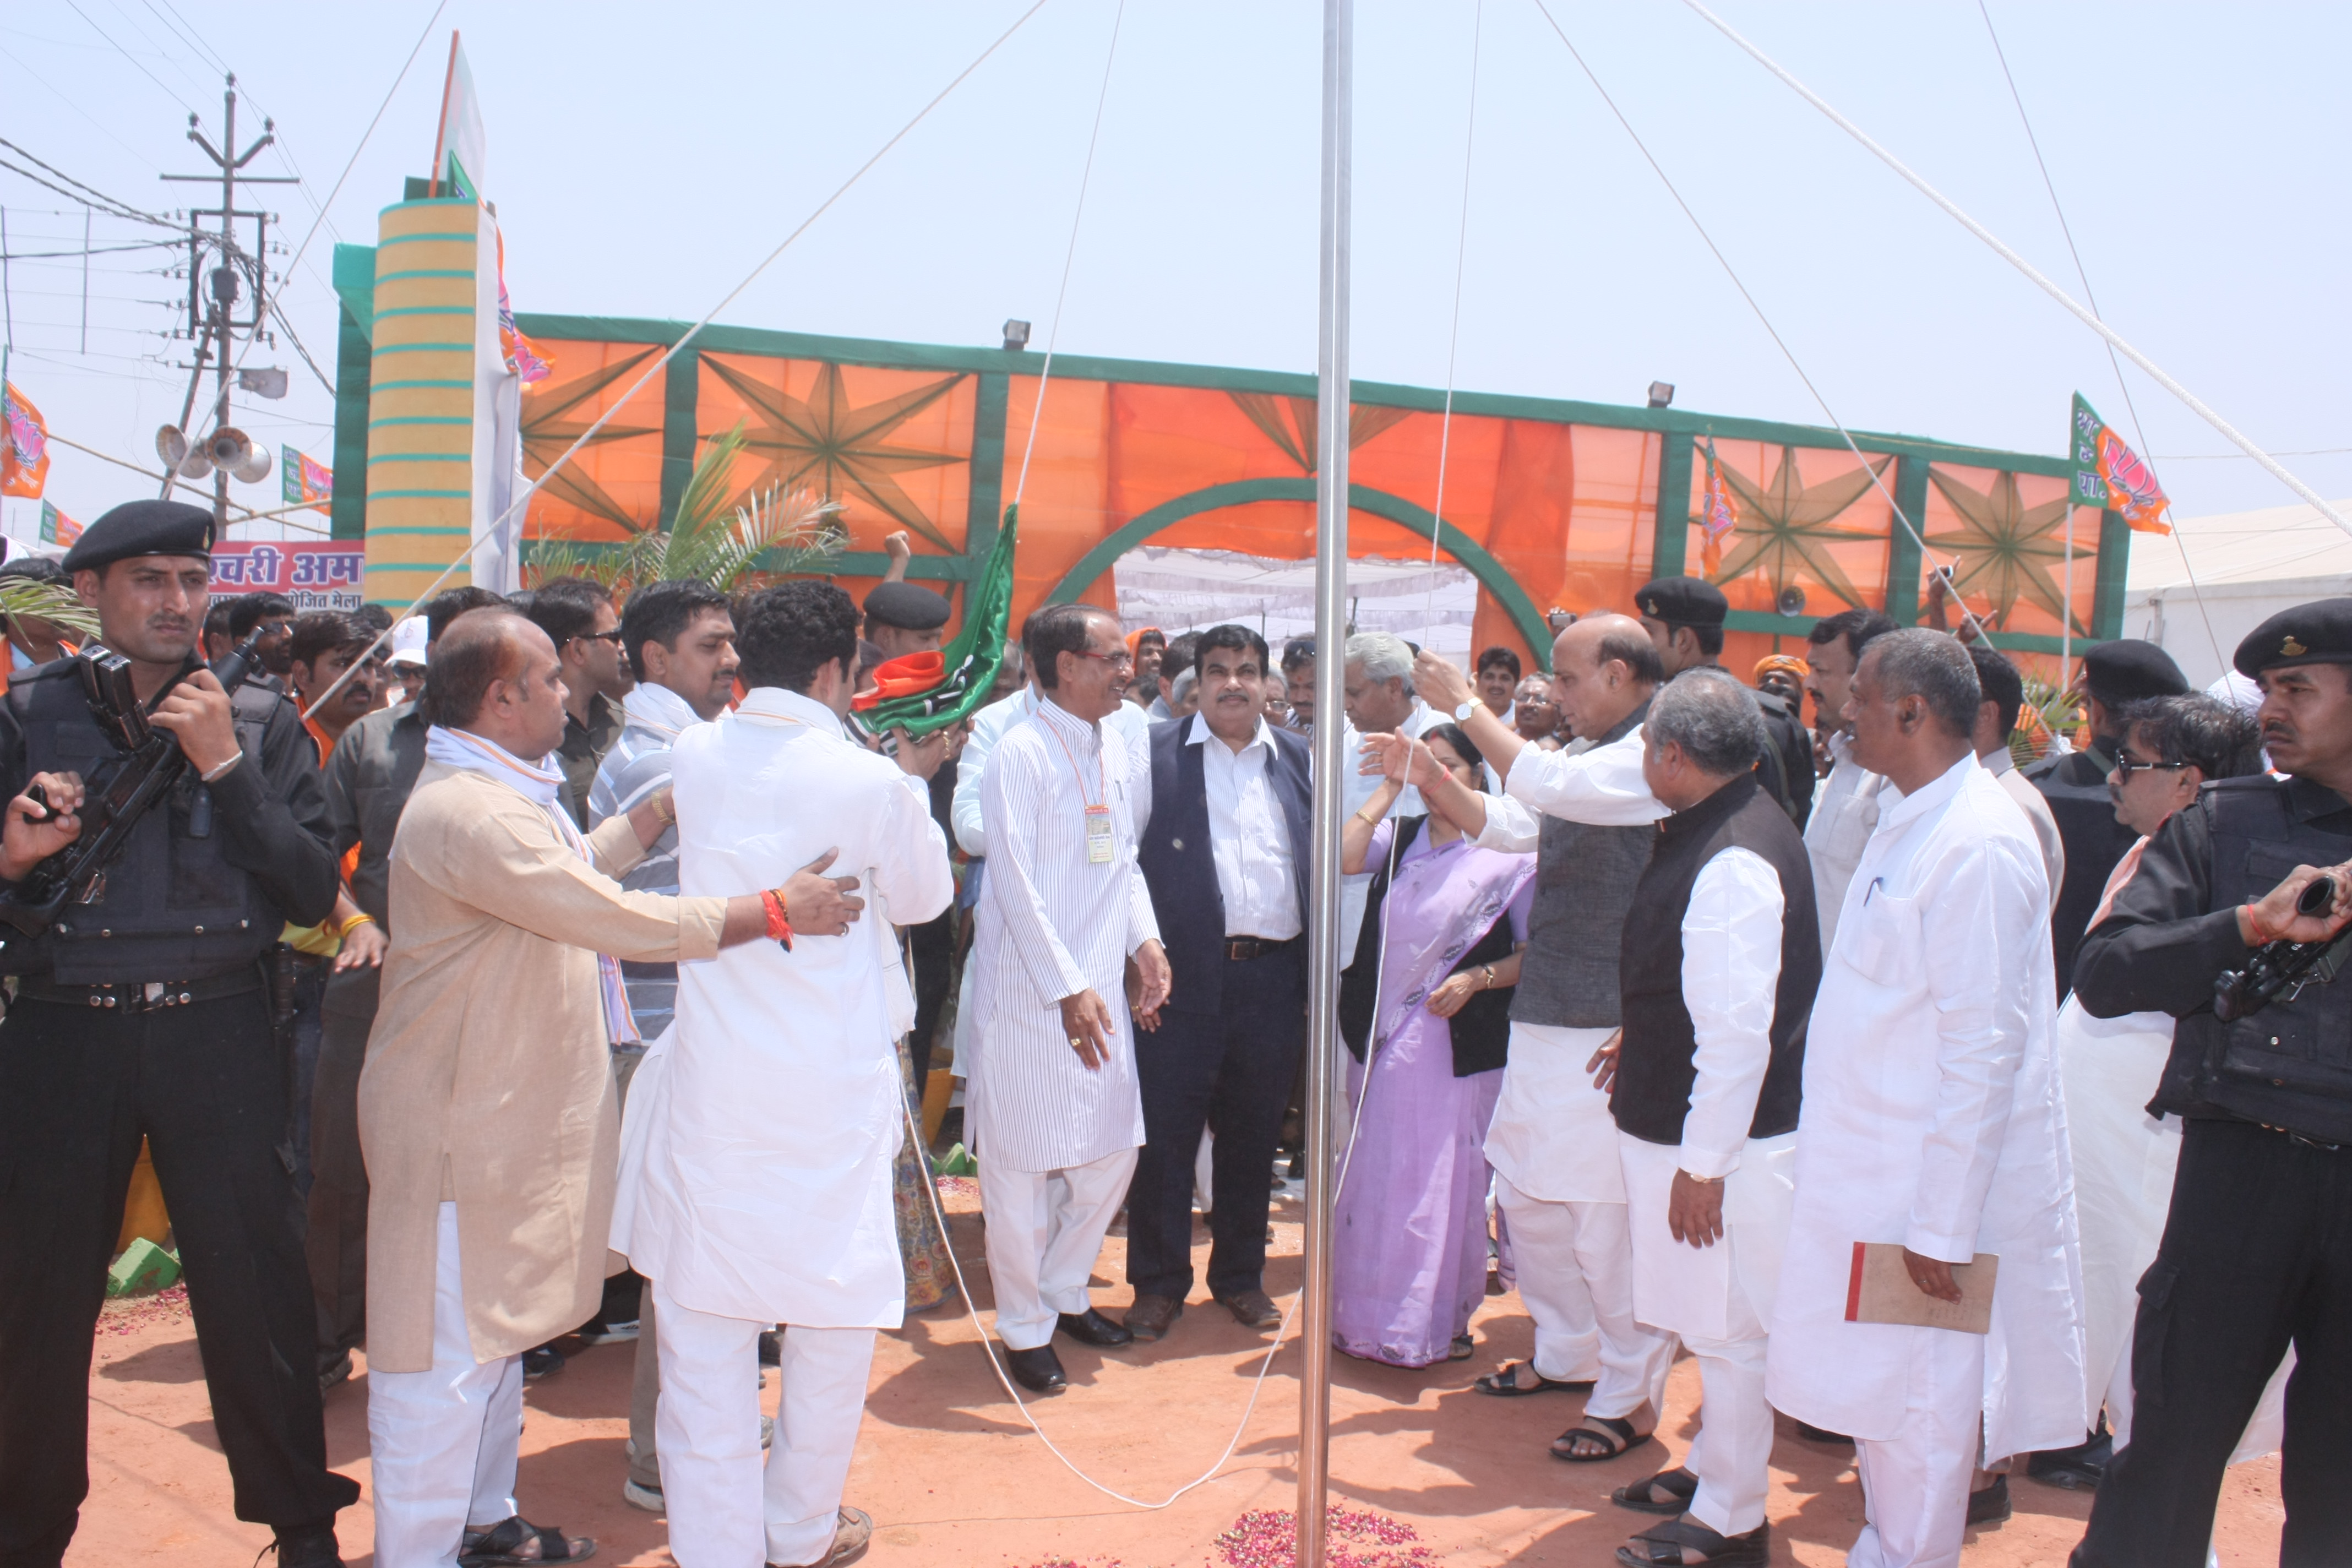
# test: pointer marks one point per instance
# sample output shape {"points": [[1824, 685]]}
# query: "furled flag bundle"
{"points": [[1717, 515], [522, 357], [307, 483], [2111, 476], [23, 446], [922, 692]]}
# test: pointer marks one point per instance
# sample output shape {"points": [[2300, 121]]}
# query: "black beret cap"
{"points": [[2127, 669], [1684, 601], [143, 528], [906, 606], [2317, 633]]}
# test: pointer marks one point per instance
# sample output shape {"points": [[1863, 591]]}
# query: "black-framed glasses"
{"points": [[613, 637], [2125, 767]]}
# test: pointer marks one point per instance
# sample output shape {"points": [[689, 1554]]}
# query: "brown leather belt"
{"points": [[1241, 949], [134, 996]]}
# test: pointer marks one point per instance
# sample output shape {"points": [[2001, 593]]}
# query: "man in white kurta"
{"points": [[1721, 959], [1932, 1120], [1588, 814], [1054, 1108], [757, 1164], [1845, 807]]}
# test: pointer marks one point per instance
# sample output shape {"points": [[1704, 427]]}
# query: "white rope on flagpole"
{"points": [[2088, 318]]}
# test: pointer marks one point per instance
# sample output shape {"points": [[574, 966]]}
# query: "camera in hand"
{"points": [[2277, 971], [118, 793]]}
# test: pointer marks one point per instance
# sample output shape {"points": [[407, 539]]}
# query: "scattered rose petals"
{"points": [[134, 1314], [1268, 1538]]}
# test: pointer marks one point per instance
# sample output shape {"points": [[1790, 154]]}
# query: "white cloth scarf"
{"points": [[542, 783], [659, 709]]}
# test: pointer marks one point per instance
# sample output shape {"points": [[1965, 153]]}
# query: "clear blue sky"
{"points": [[642, 160]]}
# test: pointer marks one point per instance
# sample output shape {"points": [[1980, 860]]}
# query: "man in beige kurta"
{"points": [[486, 1104]]}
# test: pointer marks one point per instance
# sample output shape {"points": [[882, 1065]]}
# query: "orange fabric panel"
{"points": [[1809, 518], [614, 482], [2005, 536]]}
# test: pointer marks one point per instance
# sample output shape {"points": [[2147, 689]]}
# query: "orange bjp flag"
{"points": [[24, 445]]}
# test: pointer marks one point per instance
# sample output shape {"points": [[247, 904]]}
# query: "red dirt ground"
{"points": [[952, 1476]]}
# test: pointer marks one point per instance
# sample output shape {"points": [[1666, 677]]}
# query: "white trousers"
{"points": [[443, 1445], [1915, 1486], [1732, 1457], [724, 1513], [1574, 1263], [1045, 1230]]}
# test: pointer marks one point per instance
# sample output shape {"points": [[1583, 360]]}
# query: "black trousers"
{"points": [[336, 1238], [931, 947], [78, 1085], [2257, 1255], [1229, 1070]]}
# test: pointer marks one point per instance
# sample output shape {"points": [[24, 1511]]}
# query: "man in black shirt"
{"points": [[2075, 786], [143, 1011], [2257, 1249]]}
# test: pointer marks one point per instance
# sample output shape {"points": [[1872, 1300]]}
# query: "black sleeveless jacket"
{"points": [[1656, 1066]]}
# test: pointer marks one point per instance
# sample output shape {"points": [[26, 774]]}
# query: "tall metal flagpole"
{"points": [[1330, 671]]}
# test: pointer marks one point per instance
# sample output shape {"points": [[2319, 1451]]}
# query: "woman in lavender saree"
{"points": [[1425, 1011]]}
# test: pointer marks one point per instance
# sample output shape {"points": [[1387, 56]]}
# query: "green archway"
{"points": [[1468, 552]]}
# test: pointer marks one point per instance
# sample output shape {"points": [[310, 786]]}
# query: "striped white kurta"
{"points": [[1050, 923]]}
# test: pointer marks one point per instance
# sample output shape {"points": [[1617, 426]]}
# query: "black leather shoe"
{"points": [[2077, 1469], [1813, 1433], [1252, 1308], [1990, 1506], [311, 1546], [1091, 1328], [1038, 1371], [1151, 1316]]}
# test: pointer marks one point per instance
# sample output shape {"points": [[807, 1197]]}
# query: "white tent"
{"points": [[1186, 590], [2199, 594]]}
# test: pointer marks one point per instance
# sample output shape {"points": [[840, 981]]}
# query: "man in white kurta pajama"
{"points": [[1052, 1105], [756, 1166], [1932, 1120]]}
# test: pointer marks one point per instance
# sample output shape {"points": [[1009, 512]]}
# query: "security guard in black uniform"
{"points": [[1684, 616], [2257, 1249], [2074, 784], [144, 1011]]}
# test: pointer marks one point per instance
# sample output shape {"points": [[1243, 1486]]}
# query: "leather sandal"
{"points": [[1670, 1545], [1677, 1485], [1503, 1383], [501, 1545], [1612, 1430]]}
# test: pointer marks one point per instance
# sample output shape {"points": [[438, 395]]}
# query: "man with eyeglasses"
{"points": [[578, 618]]}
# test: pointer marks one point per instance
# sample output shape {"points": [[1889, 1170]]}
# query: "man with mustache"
{"points": [[2257, 1248]]}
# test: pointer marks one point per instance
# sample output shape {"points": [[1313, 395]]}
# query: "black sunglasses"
{"points": [[613, 637], [2125, 767]]}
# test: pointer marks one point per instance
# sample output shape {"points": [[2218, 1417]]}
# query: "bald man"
{"points": [[1588, 814]]}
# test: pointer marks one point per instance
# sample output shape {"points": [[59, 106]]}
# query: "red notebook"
{"points": [[1880, 1291]]}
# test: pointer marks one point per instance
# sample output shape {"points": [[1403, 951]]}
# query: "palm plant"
{"points": [[55, 603], [769, 534]]}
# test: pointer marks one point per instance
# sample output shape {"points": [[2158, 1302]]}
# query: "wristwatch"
{"points": [[1462, 714]]}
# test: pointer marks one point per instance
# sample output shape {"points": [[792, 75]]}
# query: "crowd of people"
{"points": [[1882, 1074]]}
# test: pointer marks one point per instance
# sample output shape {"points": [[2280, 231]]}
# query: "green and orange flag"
{"points": [[920, 692], [2111, 476]]}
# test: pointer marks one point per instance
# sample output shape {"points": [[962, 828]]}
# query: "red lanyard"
{"points": [[1102, 787]]}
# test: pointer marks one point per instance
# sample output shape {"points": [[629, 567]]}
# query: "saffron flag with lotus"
{"points": [[2111, 476], [23, 446]]}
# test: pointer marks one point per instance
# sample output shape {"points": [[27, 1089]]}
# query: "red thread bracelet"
{"points": [[2254, 924], [779, 925]]}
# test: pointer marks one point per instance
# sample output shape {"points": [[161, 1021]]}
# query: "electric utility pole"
{"points": [[214, 289]]}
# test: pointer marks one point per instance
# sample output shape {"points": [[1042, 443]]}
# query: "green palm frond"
{"points": [[52, 602]]}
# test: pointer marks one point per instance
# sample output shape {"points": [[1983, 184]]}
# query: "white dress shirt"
{"points": [[1932, 1118], [1247, 836], [2003, 768], [1600, 785], [1845, 814], [1053, 921]]}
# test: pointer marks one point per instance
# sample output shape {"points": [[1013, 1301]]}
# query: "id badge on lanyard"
{"points": [[1098, 836]]}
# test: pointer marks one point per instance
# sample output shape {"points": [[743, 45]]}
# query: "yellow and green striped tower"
{"points": [[422, 433]]}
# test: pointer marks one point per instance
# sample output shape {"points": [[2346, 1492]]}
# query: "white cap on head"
{"points": [[409, 642]]}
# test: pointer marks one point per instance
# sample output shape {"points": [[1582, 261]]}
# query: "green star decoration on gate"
{"points": [[1785, 527], [838, 450], [553, 418], [2004, 549]]}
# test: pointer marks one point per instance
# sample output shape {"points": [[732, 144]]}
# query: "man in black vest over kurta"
{"points": [[1721, 957], [1225, 851], [2075, 786]]}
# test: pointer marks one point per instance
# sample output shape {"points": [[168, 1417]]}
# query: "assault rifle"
{"points": [[118, 793], [2279, 970]]}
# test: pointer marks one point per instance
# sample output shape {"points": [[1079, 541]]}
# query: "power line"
{"points": [[118, 207], [134, 59]]}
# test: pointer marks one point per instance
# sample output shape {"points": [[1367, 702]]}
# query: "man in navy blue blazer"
{"points": [[1224, 852]]}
